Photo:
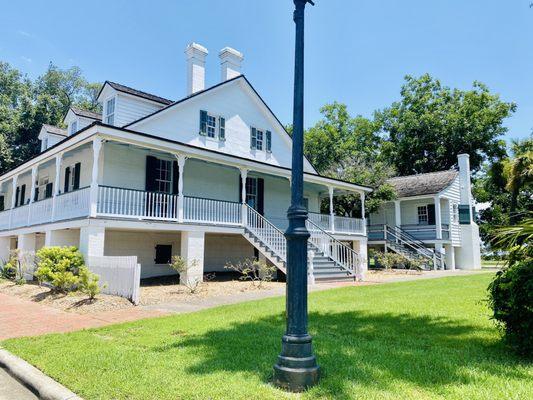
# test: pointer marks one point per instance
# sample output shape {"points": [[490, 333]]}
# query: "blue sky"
{"points": [[357, 52]]}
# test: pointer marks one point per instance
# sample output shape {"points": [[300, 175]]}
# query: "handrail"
{"points": [[267, 232], [407, 241], [344, 256]]}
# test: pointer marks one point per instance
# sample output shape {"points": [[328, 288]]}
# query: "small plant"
{"points": [[8, 270], [253, 270], [14, 268], [88, 283], [183, 267]]}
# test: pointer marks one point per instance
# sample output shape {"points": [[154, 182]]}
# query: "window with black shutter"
{"points": [[151, 170], [66, 186], [203, 122], [48, 190], [268, 141], [222, 128], [2, 203], [17, 195], [431, 214], [464, 214], [175, 177], [23, 195], [36, 194], [253, 138], [77, 171], [163, 253]]}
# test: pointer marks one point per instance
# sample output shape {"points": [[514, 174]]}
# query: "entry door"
{"points": [[255, 194]]}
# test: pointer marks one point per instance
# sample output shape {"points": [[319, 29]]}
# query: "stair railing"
{"points": [[266, 232], [397, 235], [344, 256]]}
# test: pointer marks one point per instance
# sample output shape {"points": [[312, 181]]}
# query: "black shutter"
{"points": [[2, 203], [239, 199], [17, 193], [268, 141], [48, 190], [23, 195], [431, 214], [77, 170], [67, 179], [222, 128], [175, 177], [261, 196], [36, 194], [253, 138], [151, 166], [203, 122], [163, 253]]}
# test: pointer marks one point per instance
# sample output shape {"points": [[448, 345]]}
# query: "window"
{"points": [[251, 192], [110, 111], [163, 253], [423, 215], [2, 203], [211, 126], [163, 176], [222, 128], [268, 141], [73, 127], [72, 177], [464, 214], [45, 143], [455, 213], [260, 140]]}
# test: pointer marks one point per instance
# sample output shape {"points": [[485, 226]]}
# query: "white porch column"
{"points": [[244, 174], [438, 251], [361, 248], [57, 184], [181, 166], [32, 190], [363, 211], [450, 257], [5, 249], [13, 198], [438, 218], [331, 210], [397, 218], [26, 247], [192, 250], [97, 146], [92, 241]]}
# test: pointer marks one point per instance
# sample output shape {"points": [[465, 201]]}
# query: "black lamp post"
{"points": [[296, 369]]}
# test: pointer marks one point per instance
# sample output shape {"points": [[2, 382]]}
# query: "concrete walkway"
{"points": [[11, 389]]}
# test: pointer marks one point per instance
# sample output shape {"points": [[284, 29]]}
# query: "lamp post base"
{"points": [[296, 369]]}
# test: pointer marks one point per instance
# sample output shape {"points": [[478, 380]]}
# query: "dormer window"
{"points": [[73, 127], [211, 124], [110, 111], [260, 140]]}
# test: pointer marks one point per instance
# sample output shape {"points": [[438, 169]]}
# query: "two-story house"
{"points": [[432, 218], [206, 177]]}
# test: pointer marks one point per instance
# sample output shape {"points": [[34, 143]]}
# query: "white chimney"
{"points": [[230, 62], [196, 55], [464, 178]]}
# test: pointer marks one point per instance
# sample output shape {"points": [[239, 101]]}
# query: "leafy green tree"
{"points": [[432, 124]]}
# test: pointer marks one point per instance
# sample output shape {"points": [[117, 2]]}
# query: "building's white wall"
{"points": [[241, 112], [130, 108], [142, 245], [124, 167], [84, 156], [223, 249], [211, 181], [452, 193]]}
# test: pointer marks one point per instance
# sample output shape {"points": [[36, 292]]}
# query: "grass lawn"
{"points": [[429, 339]]}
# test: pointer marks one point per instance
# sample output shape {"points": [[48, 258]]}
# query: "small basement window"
{"points": [[163, 253]]}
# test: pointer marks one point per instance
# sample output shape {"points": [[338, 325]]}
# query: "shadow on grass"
{"points": [[368, 349]]}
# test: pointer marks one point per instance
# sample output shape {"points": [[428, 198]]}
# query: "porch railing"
{"points": [[19, 216], [4, 219], [340, 224], [41, 211], [197, 209], [419, 232], [72, 204]]}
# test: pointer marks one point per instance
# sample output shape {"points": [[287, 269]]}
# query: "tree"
{"points": [[519, 171], [348, 148], [432, 124], [26, 105]]}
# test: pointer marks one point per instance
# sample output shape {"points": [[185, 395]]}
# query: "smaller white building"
{"points": [[432, 217]]}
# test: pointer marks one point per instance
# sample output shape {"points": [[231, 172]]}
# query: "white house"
{"points": [[206, 177], [432, 218]]}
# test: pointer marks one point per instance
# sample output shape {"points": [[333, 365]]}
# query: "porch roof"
{"points": [[422, 184]]}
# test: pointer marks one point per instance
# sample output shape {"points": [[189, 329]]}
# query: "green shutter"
{"points": [[464, 214], [268, 141], [203, 122], [222, 128], [253, 138]]}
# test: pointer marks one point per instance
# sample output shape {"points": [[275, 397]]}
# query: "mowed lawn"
{"points": [[428, 339]]}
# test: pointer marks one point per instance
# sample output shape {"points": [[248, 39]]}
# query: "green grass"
{"points": [[492, 264], [428, 339]]}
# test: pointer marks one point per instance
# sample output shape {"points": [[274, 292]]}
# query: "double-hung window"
{"points": [[251, 192], [423, 215], [73, 127], [110, 111], [260, 140], [211, 125], [163, 176]]}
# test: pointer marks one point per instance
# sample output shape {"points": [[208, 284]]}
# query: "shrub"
{"points": [[253, 270], [8, 270], [182, 266], [511, 299], [14, 268], [64, 269]]}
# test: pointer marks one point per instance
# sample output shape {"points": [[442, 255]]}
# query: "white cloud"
{"points": [[27, 59], [24, 33]]}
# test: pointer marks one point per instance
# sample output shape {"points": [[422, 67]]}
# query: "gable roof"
{"points": [[87, 114], [422, 184], [55, 130], [134, 92]]}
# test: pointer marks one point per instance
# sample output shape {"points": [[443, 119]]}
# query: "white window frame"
{"points": [[259, 143], [423, 215], [43, 181], [73, 127], [71, 178], [214, 127], [252, 192], [163, 181], [110, 117]]}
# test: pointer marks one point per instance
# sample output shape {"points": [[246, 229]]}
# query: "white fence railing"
{"points": [[41, 211], [321, 220], [4, 219], [19, 216], [348, 225], [196, 209], [72, 204], [336, 250], [114, 201], [120, 276], [265, 231]]}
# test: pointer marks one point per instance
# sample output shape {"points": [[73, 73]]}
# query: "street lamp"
{"points": [[296, 369]]}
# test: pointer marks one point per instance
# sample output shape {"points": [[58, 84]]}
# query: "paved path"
{"points": [[19, 317], [11, 389]]}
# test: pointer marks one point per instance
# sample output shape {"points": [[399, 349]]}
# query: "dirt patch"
{"points": [[167, 292], [72, 302]]}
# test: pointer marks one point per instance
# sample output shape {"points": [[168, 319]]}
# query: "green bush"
{"points": [[65, 270], [392, 260], [511, 299], [9, 270]]}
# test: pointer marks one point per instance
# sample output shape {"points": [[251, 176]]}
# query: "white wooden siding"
{"points": [[452, 193], [130, 108]]}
